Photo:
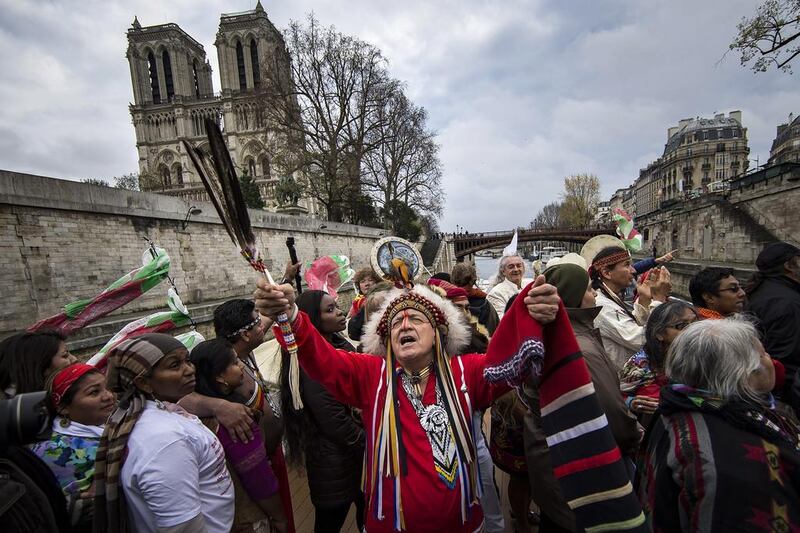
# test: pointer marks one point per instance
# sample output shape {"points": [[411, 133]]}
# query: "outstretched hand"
{"points": [[542, 301], [272, 300]]}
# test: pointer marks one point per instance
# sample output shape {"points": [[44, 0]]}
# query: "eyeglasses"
{"points": [[680, 326], [734, 289]]}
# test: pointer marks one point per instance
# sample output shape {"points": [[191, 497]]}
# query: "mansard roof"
{"points": [[719, 127]]}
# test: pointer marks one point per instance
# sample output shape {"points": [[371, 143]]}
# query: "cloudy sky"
{"points": [[521, 93]]}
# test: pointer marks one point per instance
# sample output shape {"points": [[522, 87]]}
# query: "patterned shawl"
{"points": [[131, 358], [636, 373]]}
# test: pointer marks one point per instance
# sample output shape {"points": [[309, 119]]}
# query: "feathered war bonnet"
{"points": [[451, 334]]}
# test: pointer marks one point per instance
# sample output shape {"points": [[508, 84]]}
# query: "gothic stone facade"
{"points": [[173, 94]]}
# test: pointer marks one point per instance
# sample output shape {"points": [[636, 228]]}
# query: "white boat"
{"points": [[549, 252]]}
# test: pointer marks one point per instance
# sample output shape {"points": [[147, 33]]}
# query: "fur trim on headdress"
{"points": [[450, 321]]}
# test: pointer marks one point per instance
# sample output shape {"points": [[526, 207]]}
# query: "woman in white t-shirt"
{"points": [[169, 467]]}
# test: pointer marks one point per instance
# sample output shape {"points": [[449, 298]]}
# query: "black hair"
{"points": [[25, 357], [210, 359], [310, 302], [445, 276], [231, 316], [661, 317], [597, 277], [298, 430], [707, 282]]}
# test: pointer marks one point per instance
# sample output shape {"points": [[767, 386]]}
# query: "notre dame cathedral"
{"points": [[173, 94]]}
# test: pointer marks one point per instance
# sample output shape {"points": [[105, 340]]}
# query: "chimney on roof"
{"points": [[736, 115]]}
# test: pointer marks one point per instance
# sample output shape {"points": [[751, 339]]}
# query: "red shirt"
{"points": [[358, 380]]}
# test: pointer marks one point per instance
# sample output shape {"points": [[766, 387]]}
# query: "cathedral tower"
{"points": [[173, 94]]}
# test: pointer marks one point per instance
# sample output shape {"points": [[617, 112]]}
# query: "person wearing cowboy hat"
{"points": [[417, 401]]}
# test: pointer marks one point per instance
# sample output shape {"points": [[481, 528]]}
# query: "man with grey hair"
{"points": [[774, 295], [509, 282]]}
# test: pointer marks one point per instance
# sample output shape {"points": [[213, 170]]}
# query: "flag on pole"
{"points": [[159, 322], [329, 273], [626, 232], [81, 313], [511, 249]]}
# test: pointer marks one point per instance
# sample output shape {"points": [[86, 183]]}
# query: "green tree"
{"points": [[771, 37], [403, 221], [579, 200], [361, 210], [252, 196]]}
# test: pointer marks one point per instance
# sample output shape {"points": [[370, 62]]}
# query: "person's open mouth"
{"points": [[407, 339]]}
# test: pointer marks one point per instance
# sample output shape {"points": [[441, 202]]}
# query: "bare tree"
{"points": [[579, 200], [548, 217], [770, 38], [325, 103], [403, 164]]}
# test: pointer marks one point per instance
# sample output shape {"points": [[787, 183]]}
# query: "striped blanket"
{"points": [[586, 461]]}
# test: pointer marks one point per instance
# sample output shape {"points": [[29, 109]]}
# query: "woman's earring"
{"points": [[64, 422]]}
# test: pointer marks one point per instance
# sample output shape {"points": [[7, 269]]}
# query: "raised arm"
{"points": [[347, 376], [343, 374]]}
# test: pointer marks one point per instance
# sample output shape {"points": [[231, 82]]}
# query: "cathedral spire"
{"points": [[135, 25], [259, 7]]}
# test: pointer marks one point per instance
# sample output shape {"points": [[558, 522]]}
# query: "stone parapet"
{"points": [[61, 241]]}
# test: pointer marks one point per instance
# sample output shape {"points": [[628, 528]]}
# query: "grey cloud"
{"points": [[522, 93]]}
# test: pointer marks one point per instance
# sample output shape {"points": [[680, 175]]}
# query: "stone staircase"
{"points": [[759, 229]]}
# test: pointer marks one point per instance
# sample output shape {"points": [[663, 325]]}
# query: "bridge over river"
{"points": [[466, 244]]}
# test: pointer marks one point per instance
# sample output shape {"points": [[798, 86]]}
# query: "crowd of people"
{"points": [[696, 404]]}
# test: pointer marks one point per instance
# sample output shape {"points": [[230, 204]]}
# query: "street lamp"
{"points": [[193, 210]]}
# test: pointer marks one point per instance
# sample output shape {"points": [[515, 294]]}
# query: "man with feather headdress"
{"points": [[416, 400]]}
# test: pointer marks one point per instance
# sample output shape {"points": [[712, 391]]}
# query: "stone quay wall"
{"points": [[62, 241], [728, 228]]}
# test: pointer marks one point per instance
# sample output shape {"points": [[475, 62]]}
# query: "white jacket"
{"points": [[622, 335], [501, 294]]}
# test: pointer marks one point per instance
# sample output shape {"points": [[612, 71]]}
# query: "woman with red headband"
{"points": [[79, 395]]}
